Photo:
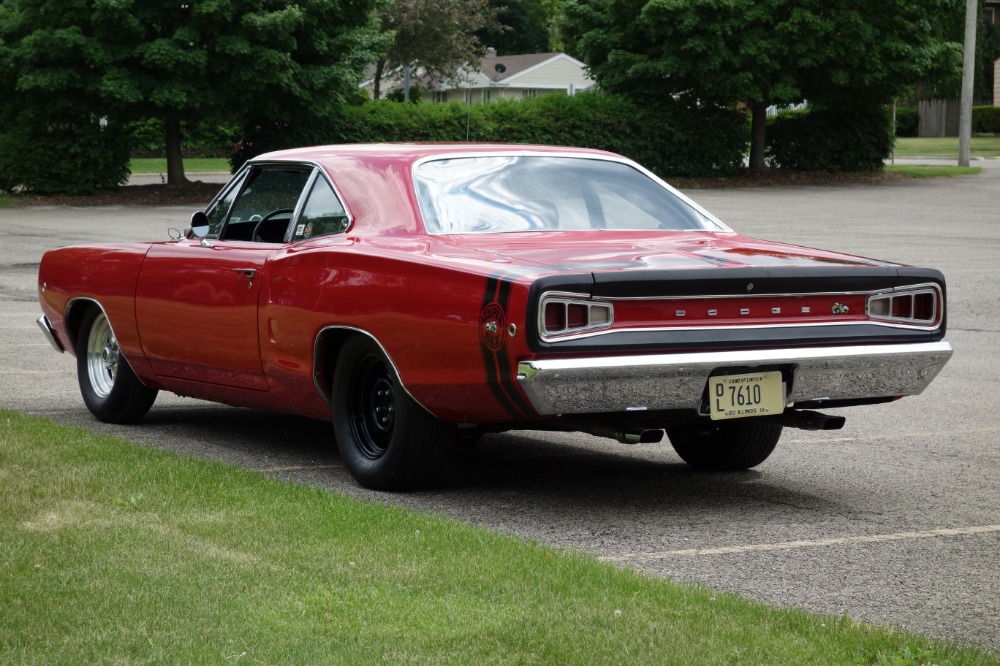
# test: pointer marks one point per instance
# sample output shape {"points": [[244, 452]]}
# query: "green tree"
{"points": [[232, 60], [523, 28], [760, 52], [439, 36]]}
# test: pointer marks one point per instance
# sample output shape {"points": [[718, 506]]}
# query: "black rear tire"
{"points": [[386, 440], [110, 388], [722, 447]]}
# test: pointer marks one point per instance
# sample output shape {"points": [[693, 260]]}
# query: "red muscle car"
{"points": [[420, 295]]}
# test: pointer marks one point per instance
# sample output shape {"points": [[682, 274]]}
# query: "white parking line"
{"points": [[895, 435], [811, 543]]}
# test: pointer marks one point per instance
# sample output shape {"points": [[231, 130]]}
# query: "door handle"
{"points": [[248, 273]]}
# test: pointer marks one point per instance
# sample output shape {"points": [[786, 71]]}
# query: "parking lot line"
{"points": [[810, 543]]}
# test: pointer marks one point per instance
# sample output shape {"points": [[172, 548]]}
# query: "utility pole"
{"points": [[968, 73]]}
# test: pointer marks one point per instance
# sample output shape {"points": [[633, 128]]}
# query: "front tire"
{"points": [[386, 440], [110, 388], [724, 447]]}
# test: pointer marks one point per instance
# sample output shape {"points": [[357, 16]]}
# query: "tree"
{"points": [[181, 59], [760, 52], [523, 28], [439, 35]]}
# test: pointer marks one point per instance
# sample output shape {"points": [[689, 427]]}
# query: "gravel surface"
{"points": [[893, 520]]}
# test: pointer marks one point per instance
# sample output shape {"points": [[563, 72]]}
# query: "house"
{"points": [[499, 77]]}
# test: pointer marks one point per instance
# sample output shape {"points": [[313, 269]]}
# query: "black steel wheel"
{"points": [[726, 446], [386, 440], [109, 387]]}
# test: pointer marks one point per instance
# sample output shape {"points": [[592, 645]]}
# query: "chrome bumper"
{"points": [[677, 381], [50, 335]]}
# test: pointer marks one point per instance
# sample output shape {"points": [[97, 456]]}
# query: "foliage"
{"points": [[846, 138], [522, 27], [907, 121], [216, 62], [761, 52], [439, 35], [986, 119], [199, 138], [671, 139], [41, 156]]}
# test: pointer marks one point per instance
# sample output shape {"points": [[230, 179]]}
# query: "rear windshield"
{"points": [[495, 194]]}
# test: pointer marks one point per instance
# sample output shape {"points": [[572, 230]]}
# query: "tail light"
{"points": [[560, 316], [919, 306]]}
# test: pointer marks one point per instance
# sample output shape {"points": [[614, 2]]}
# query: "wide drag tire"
{"points": [[386, 440], [724, 447], [110, 388]]}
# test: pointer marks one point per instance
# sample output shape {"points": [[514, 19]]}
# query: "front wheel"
{"points": [[386, 440], [109, 387], [721, 447]]}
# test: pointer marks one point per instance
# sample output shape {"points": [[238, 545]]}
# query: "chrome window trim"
{"points": [[722, 227]]}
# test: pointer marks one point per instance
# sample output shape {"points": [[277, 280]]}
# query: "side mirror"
{"points": [[199, 225]]}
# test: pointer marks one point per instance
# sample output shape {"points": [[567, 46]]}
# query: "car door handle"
{"points": [[248, 273]]}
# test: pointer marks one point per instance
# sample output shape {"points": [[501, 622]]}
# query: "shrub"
{"points": [[907, 121], [847, 138], [678, 138], [986, 119], [73, 157]]}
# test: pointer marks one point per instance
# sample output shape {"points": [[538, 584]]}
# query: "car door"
{"points": [[197, 299]]}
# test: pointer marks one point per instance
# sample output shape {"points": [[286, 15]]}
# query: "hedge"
{"points": [[986, 119], [47, 156], [673, 139], [830, 139]]}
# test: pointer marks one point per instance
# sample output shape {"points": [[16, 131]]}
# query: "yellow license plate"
{"points": [[742, 396]]}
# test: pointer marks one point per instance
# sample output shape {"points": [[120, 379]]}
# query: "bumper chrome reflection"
{"points": [[50, 335], [676, 381]]}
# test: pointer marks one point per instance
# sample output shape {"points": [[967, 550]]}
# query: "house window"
{"points": [[529, 93], [989, 16], [439, 96], [486, 95]]}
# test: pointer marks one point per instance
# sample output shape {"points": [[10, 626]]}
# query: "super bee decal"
{"points": [[493, 344]]}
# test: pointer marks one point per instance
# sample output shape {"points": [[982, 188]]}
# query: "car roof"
{"points": [[411, 152]]}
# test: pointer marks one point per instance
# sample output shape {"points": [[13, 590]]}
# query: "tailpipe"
{"points": [[629, 435]]}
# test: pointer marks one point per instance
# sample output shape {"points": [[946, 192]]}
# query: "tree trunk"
{"points": [[758, 134], [377, 85], [175, 161]]}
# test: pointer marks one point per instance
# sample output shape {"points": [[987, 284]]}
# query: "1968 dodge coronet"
{"points": [[421, 295]]}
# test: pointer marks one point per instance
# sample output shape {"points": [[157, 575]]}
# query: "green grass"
{"points": [[946, 147], [191, 165], [931, 171], [6, 201], [118, 553]]}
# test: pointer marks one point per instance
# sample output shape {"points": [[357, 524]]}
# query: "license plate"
{"points": [[742, 396]]}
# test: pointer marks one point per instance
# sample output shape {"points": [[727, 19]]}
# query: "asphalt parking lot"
{"points": [[895, 519]]}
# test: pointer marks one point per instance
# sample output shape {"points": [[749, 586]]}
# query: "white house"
{"points": [[500, 77]]}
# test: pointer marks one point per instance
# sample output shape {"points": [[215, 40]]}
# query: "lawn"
{"points": [[946, 147], [191, 165], [119, 553]]}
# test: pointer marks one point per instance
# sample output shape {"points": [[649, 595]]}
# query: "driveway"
{"points": [[895, 519]]}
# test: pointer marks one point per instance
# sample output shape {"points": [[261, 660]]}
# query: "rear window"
{"points": [[509, 193]]}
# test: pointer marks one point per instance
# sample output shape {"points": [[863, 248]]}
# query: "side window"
{"points": [[270, 195], [217, 215], [323, 213]]}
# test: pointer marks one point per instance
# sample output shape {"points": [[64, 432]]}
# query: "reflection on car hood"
{"points": [[597, 251]]}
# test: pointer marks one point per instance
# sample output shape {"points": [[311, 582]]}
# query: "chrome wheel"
{"points": [[110, 389], [103, 356]]}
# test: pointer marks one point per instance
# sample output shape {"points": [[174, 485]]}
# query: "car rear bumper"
{"points": [[677, 381]]}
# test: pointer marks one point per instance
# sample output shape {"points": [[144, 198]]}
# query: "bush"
{"points": [[907, 121], [847, 138], [674, 139], [986, 119], [72, 157]]}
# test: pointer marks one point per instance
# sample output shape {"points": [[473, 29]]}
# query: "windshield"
{"points": [[494, 194]]}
